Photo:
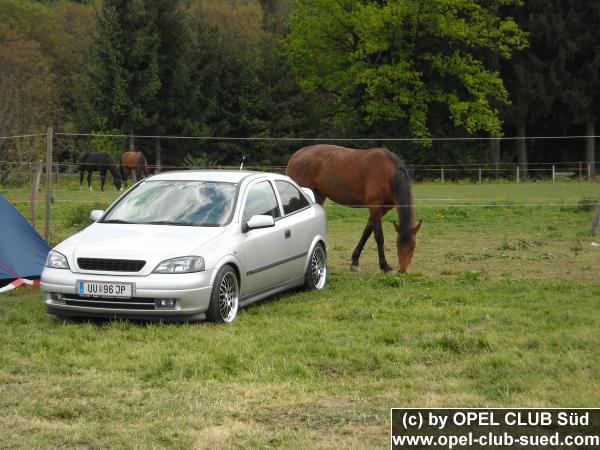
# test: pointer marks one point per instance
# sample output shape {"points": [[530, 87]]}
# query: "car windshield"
{"points": [[188, 203]]}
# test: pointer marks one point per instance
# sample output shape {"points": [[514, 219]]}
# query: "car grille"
{"points": [[143, 303], [110, 265]]}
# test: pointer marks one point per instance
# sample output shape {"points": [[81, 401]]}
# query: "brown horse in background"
{"points": [[133, 162], [374, 179]]}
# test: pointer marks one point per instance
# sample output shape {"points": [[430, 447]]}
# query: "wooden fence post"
{"points": [[35, 185], [442, 172], [517, 174], [480, 175], [553, 173], [49, 136]]}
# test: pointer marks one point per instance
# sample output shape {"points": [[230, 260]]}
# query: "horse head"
{"points": [[406, 247], [117, 182], [116, 176]]}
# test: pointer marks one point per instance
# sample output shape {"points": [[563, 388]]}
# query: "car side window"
{"points": [[261, 200], [291, 198]]}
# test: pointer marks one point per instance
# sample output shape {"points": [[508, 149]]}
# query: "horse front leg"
{"points": [[376, 215], [81, 180], [378, 231], [89, 177], [355, 267], [102, 179]]}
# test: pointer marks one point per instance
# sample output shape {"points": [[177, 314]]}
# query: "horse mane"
{"points": [[402, 191]]}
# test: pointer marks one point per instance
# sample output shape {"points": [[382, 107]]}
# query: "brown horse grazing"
{"points": [[133, 162], [374, 179]]}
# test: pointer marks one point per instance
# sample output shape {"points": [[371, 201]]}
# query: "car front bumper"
{"points": [[191, 293]]}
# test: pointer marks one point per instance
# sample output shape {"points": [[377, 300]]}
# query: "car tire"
{"points": [[225, 296], [316, 271]]}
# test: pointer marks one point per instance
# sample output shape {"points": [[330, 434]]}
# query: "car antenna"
{"points": [[242, 164]]}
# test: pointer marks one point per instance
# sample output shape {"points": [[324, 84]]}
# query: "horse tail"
{"points": [[142, 165], [402, 191], [121, 168]]}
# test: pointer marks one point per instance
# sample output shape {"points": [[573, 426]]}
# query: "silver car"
{"points": [[190, 245]]}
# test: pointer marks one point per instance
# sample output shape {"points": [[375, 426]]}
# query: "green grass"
{"points": [[500, 310]]}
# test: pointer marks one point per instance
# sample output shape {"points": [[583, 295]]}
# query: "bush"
{"points": [[78, 215]]}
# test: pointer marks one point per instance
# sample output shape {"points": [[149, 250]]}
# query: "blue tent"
{"points": [[22, 250]]}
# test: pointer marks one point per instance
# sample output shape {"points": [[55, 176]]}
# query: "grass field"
{"points": [[501, 309]]}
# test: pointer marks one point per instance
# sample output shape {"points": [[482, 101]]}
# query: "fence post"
{"points": [[517, 174], [480, 175], [49, 136], [553, 173], [589, 171], [580, 172], [442, 171], [35, 185]]}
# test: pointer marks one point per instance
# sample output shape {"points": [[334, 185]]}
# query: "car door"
{"points": [[296, 219], [265, 251]]}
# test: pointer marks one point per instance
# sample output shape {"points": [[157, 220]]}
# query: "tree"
{"points": [[28, 94], [136, 57], [63, 32], [528, 74], [391, 64], [577, 65], [221, 90]]}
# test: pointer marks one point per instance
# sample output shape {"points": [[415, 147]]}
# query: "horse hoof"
{"points": [[387, 269], [354, 268]]}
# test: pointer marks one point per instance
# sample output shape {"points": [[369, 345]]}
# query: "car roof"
{"points": [[226, 176]]}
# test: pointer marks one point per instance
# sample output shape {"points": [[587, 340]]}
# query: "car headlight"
{"points": [[185, 264], [56, 260]]}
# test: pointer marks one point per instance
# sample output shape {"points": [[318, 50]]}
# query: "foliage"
{"points": [[310, 68], [393, 62], [126, 76], [28, 93]]}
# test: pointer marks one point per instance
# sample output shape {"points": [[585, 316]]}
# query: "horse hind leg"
{"points": [[355, 266], [319, 197], [89, 178]]}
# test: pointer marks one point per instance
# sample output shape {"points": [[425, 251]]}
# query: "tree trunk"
{"points": [[131, 141], [590, 154], [521, 149], [157, 156], [495, 153]]}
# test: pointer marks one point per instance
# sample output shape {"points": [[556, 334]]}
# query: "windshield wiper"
{"points": [[115, 221], [166, 222]]}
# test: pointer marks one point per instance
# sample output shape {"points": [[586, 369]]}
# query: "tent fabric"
{"points": [[18, 282], [23, 252]]}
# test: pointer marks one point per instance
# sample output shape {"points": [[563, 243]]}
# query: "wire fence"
{"points": [[25, 160]]}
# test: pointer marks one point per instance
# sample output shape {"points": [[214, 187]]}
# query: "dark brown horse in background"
{"points": [[133, 162], [98, 162], [374, 179]]}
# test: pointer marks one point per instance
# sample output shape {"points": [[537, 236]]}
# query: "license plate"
{"points": [[104, 289]]}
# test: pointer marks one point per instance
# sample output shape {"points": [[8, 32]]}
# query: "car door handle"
{"points": [[288, 234]]}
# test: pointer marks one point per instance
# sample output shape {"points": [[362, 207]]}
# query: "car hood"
{"points": [[151, 243]]}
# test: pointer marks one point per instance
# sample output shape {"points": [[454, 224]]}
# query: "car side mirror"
{"points": [[96, 215], [260, 221]]}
